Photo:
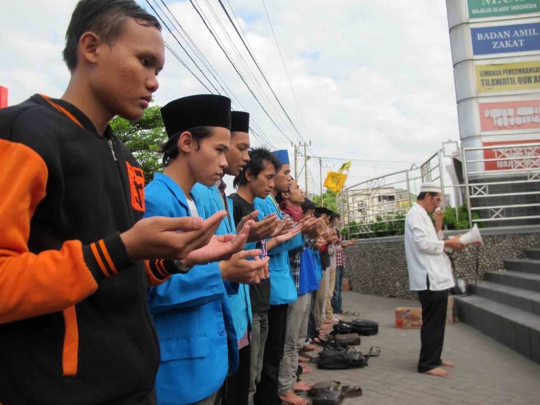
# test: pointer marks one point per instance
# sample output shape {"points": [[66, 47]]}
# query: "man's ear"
{"points": [[88, 47], [249, 175], [185, 142]]}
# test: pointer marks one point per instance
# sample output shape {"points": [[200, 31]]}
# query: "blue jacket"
{"points": [[318, 265], [239, 300], [308, 273], [282, 288], [193, 320]]}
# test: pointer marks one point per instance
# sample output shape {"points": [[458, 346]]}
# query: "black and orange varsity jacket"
{"points": [[74, 323]]}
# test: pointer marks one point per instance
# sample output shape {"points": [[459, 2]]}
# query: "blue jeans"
{"points": [[337, 300]]}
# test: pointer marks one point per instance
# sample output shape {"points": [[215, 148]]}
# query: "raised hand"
{"points": [[239, 269], [169, 238], [249, 217], [289, 235], [438, 216], [219, 248], [263, 229], [309, 226]]}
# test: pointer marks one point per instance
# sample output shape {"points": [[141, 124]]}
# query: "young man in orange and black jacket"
{"points": [[74, 323]]}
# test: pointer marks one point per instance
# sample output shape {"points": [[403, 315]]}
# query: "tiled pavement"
{"points": [[485, 372]]}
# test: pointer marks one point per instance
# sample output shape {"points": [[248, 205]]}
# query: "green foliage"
{"points": [[330, 200], [143, 138], [390, 225], [463, 222]]}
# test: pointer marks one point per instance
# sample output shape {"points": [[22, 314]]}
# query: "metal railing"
{"points": [[497, 173], [491, 174]]}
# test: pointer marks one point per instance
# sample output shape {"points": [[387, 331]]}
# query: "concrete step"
{"points": [[533, 253], [523, 265], [516, 279], [515, 297], [515, 328]]}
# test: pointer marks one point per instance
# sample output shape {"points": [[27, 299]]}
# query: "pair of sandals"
{"points": [[347, 391]]}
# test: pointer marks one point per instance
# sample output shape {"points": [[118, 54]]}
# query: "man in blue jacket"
{"points": [[214, 200], [191, 311], [282, 288]]}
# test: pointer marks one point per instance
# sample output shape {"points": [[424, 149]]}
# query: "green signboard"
{"points": [[497, 8]]}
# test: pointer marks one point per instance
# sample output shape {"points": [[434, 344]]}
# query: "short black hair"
{"points": [[170, 148], [106, 19], [308, 205], [424, 194], [259, 158], [279, 195]]}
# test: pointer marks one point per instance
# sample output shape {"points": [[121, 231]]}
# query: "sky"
{"points": [[360, 79]]}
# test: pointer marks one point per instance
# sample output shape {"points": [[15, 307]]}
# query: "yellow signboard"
{"points": [[508, 77]]}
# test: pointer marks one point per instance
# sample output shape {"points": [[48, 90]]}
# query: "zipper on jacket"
{"points": [[112, 150]]}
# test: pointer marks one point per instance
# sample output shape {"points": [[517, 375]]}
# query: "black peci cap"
{"points": [[239, 121], [204, 110]]}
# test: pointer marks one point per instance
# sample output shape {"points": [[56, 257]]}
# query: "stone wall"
{"points": [[378, 266]]}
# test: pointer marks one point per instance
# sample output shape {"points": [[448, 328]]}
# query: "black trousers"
{"points": [[267, 389], [312, 324], [434, 305], [238, 384]]}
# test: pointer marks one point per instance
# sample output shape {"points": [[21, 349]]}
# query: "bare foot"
{"points": [[292, 398], [439, 372], [306, 370], [303, 359], [301, 386], [446, 363]]}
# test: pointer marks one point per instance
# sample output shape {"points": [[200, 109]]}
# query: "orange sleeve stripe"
{"points": [[107, 256], [70, 354], [161, 268], [33, 284], [99, 261], [153, 281]]}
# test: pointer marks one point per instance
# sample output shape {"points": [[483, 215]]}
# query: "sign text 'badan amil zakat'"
{"points": [[498, 8], [506, 39]]}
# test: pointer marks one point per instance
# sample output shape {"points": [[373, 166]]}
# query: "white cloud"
{"points": [[373, 79]]}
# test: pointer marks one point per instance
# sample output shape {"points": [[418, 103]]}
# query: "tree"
{"points": [[329, 202], [143, 138]]}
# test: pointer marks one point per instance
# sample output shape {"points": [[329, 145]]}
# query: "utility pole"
{"points": [[306, 158], [320, 175], [295, 162]]}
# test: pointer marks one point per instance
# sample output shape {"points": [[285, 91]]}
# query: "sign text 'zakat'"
{"points": [[505, 39]]}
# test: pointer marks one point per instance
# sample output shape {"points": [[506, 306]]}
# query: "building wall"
{"points": [[379, 267]]}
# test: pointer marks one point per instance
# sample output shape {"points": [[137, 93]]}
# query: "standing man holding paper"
{"points": [[430, 273]]}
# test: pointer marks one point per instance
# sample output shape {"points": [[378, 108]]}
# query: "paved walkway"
{"points": [[486, 372]]}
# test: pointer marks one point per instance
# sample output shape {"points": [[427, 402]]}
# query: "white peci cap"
{"points": [[430, 188]]}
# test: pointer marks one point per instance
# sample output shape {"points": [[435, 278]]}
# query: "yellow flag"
{"points": [[345, 166], [335, 181]]}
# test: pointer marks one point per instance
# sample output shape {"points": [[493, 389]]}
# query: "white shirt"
{"points": [[192, 207], [424, 248]]}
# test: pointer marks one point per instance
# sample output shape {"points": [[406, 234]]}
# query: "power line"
{"points": [[242, 60], [237, 71], [263, 139], [287, 73], [174, 36], [259, 68], [362, 160]]}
